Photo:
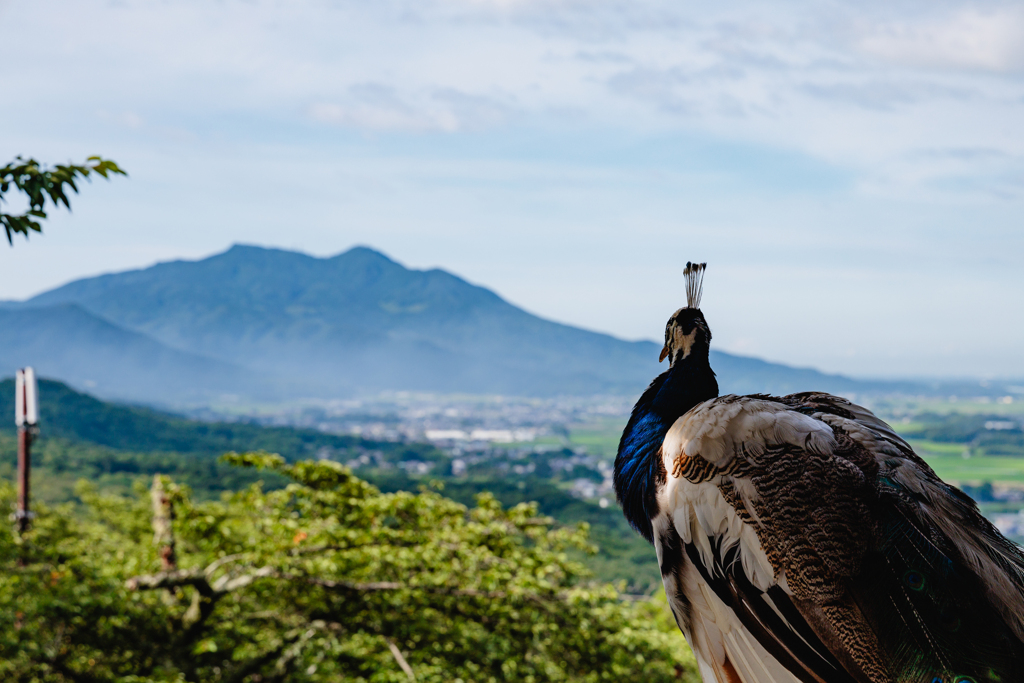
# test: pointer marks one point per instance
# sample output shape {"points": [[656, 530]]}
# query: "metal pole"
{"points": [[26, 413], [24, 475]]}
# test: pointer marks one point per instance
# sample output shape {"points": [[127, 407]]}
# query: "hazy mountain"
{"points": [[65, 341], [356, 322]]}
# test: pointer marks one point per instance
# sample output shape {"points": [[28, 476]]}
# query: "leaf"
{"points": [[38, 184]]}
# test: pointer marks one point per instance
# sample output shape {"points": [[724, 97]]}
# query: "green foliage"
{"points": [[39, 184], [58, 463], [622, 556], [325, 579]]}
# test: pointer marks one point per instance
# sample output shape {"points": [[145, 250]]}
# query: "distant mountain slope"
{"points": [[745, 375], [359, 322], [67, 414], [66, 341]]}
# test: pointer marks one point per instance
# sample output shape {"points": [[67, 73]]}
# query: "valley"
{"points": [[556, 451]]}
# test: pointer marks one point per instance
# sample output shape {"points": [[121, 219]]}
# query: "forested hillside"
{"points": [[72, 415]]}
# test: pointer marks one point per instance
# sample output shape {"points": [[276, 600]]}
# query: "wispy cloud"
{"points": [[887, 95], [774, 73], [378, 107], [965, 38]]}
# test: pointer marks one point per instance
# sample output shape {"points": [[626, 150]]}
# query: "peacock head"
{"points": [[687, 332]]}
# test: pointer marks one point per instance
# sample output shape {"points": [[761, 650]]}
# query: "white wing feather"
{"points": [[722, 428], [718, 431]]}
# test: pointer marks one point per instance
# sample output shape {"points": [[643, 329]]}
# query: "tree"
{"points": [[39, 183], [326, 579]]}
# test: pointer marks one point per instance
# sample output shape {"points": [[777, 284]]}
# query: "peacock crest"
{"points": [[694, 276]]}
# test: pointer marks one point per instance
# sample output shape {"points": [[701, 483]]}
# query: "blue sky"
{"points": [[853, 172]]}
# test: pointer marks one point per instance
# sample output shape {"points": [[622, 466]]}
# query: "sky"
{"points": [[853, 172]]}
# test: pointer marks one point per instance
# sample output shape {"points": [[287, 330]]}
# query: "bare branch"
{"points": [[199, 579], [349, 585], [217, 564], [182, 577], [392, 543], [227, 584], [401, 660]]}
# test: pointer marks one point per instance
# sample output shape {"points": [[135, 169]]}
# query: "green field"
{"points": [[976, 470], [600, 438], [899, 407]]}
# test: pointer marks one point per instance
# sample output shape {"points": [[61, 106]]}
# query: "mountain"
{"points": [[357, 322], [354, 323], [64, 340]]}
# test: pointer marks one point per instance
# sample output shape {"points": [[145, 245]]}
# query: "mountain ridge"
{"points": [[360, 322]]}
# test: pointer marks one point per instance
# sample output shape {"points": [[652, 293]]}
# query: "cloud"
{"points": [[986, 172], [966, 154], [825, 80], [665, 87], [379, 107], [887, 95], [128, 119], [375, 106], [967, 39]]}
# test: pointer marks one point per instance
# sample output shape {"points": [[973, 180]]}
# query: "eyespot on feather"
{"points": [[915, 580]]}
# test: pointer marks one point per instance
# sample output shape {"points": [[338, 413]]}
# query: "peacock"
{"points": [[800, 539]]}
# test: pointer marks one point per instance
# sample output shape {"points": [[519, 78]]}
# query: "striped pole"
{"points": [[25, 417]]}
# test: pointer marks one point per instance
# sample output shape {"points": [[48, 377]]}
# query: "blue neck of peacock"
{"points": [[639, 468]]}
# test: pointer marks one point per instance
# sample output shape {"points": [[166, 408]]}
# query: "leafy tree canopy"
{"points": [[326, 579], [38, 184]]}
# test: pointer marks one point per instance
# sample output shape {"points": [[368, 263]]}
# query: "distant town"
{"points": [[572, 440]]}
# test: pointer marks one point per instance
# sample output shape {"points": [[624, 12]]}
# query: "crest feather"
{"points": [[694, 275]]}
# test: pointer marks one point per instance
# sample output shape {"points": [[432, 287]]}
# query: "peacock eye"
{"points": [[915, 580]]}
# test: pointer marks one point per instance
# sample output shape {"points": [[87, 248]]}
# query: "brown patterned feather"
{"points": [[845, 514]]}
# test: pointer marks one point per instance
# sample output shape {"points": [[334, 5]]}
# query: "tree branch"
{"points": [[401, 660], [348, 585], [182, 577], [200, 579], [226, 584]]}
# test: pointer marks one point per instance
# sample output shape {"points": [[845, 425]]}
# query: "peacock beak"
{"points": [[664, 352]]}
